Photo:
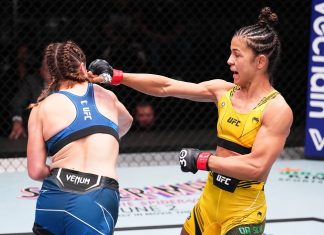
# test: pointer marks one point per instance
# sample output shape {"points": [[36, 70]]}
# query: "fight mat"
{"points": [[157, 199]]}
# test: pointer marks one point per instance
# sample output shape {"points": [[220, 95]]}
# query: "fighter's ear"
{"points": [[83, 69], [261, 61]]}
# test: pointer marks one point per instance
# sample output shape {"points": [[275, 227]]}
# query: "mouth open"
{"points": [[235, 75]]}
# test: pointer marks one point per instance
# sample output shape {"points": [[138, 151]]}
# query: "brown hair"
{"points": [[262, 37], [63, 61]]}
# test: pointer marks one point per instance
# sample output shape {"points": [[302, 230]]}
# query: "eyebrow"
{"points": [[235, 50]]}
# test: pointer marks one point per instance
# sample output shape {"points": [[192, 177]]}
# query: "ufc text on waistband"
{"points": [[226, 183], [82, 182], [229, 184]]}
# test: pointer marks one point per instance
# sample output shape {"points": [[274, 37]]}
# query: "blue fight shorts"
{"points": [[73, 202]]}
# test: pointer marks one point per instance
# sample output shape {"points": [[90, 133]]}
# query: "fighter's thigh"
{"points": [[96, 211], [198, 223], [252, 223]]}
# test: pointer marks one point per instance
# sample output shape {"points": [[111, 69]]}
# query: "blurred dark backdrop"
{"points": [[184, 39]]}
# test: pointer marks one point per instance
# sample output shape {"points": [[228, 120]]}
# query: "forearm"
{"points": [[150, 84], [242, 167], [239, 167]]}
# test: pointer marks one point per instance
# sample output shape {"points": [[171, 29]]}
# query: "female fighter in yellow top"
{"points": [[253, 124]]}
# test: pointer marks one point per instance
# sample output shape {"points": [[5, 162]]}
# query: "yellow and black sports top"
{"points": [[237, 131]]}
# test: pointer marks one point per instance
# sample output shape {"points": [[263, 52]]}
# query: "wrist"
{"points": [[117, 77], [202, 161]]}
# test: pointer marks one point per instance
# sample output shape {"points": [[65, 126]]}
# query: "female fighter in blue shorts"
{"points": [[79, 124]]}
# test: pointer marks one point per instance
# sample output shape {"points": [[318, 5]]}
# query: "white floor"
{"points": [[156, 199]]}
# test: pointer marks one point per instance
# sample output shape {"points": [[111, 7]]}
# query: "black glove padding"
{"points": [[100, 66], [188, 159]]}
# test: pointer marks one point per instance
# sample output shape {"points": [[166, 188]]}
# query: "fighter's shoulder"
{"points": [[280, 108], [279, 102], [103, 92], [36, 112], [219, 83], [218, 86], [53, 99]]}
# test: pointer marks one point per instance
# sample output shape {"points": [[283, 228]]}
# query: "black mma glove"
{"points": [[103, 68], [192, 160]]}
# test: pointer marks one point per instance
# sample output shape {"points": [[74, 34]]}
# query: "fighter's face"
{"points": [[241, 61]]}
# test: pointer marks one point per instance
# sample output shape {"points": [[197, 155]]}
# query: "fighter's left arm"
{"points": [[36, 149], [269, 142]]}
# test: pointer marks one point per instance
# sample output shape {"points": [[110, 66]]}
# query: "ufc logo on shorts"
{"points": [[182, 157], [223, 179]]}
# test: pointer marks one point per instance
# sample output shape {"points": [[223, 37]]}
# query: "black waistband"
{"points": [[83, 133], [232, 146], [229, 184], [72, 180]]}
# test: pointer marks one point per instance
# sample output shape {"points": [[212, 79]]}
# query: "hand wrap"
{"points": [[192, 160], [103, 68]]}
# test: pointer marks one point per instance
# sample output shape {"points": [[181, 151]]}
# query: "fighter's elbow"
{"points": [[33, 175], [35, 172], [257, 173]]}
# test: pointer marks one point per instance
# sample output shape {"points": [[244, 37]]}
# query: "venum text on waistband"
{"points": [[77, 179]]}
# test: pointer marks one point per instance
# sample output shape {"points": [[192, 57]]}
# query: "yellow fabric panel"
{"points": [[239, 128]]}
